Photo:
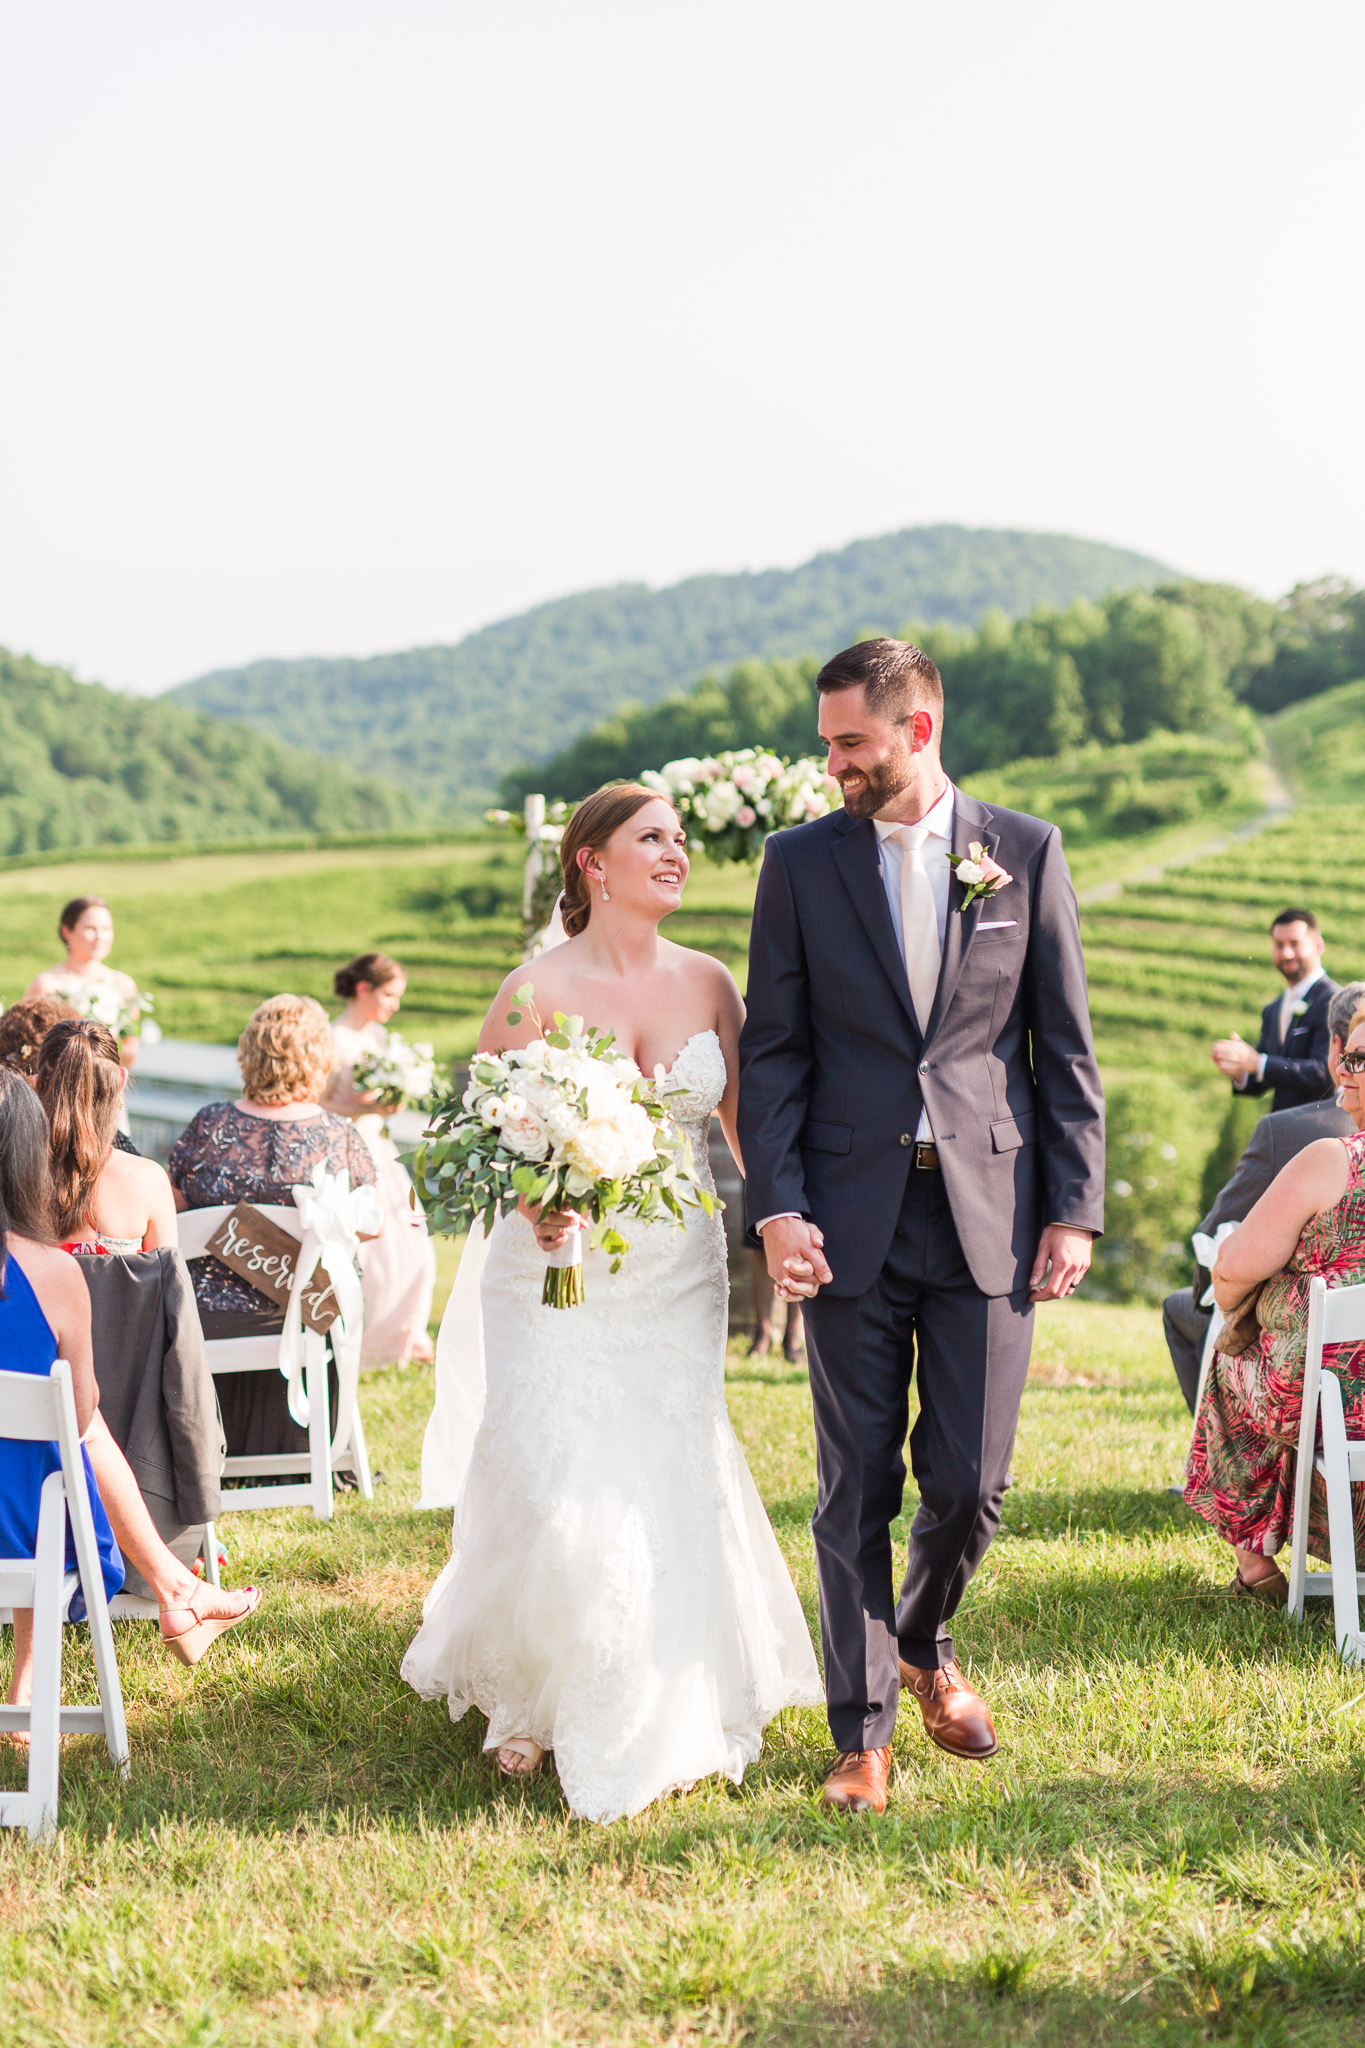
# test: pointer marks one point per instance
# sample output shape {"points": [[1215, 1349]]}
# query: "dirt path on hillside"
{"points": [[1279, 804]]}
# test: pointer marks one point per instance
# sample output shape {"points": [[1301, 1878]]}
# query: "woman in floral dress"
{"points": [[1310, 1222]]}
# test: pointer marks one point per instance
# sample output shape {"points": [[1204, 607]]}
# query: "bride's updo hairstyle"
{"points": [[590, 827]]}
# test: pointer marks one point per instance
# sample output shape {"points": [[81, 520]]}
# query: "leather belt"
{"points": [[926, 1157]]}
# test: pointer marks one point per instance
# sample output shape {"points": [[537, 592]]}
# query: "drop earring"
{"points": [[605, 897]]}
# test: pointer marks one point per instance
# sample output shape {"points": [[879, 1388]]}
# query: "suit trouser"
{"points": [[923, 1314], [1186, 1328]]}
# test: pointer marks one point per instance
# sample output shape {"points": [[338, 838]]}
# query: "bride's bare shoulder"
{"points": [[703, 972], [550, 989]]}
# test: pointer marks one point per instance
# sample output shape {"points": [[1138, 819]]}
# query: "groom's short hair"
{"points": [[895, 677]]}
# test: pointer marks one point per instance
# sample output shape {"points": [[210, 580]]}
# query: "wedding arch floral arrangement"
{"points": [[569, 1123], [729, 803]]}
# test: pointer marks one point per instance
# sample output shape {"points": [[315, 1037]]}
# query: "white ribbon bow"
{"points": [[1206, 1250], [334, 1213]]}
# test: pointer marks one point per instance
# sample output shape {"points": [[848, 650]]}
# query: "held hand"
{"points": [[797, 1266], [553, 1227], [1062, 1263]]}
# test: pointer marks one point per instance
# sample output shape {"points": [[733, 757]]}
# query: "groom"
{"points": [[923, 1133]]}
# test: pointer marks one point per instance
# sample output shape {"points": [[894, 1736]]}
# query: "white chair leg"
{"points": [[44, 1720], [212, 1576], [319, 1435], [1340, 1521], [360, 1456], [1307, 1450], [106, 1672]]}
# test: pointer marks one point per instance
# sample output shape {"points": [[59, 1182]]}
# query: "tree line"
{"points": [[84, 766], [1179, 658]]}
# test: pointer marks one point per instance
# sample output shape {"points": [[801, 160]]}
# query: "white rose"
{"points": [[492, 1110], [971, 872], [523, 1132]]}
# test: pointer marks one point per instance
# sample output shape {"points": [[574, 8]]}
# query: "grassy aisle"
{"points": [[1170, 1849]]}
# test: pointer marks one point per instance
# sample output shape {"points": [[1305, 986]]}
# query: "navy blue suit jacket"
{"points": [[1297, 1067], [834, 1069]]}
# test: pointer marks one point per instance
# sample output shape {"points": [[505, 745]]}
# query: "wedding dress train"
{"points": [[614, 1589]]}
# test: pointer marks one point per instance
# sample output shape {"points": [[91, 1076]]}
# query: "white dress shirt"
{"points": [[1287, 1002], [934, 855]]}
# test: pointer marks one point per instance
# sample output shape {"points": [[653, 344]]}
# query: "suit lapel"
{"points": [[971, 820], [856, 856]]}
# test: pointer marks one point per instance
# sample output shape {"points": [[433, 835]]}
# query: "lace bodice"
{"points": [[692, 1088]]}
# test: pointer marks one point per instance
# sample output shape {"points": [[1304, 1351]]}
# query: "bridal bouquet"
{"points": [[729, 803], [102, 1001], [570, 1124], [402, 1076]]}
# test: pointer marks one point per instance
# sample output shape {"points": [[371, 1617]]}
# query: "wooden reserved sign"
{"points": [[265, 1257]]}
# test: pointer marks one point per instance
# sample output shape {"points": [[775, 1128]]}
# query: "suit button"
{"points": [[906, 1138]]}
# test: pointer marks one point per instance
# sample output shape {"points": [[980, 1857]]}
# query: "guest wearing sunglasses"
{"points": [[1310, 1221]]}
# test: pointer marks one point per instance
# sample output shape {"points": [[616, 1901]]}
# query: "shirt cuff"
{"points": [[780, 1217]]}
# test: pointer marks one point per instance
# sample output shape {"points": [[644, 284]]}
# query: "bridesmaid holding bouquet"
{"points": [[399, 1267]]}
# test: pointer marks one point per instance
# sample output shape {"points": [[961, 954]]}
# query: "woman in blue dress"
{"points": [[45, 1315]]}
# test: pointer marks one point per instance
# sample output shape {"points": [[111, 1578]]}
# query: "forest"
{"points": [[448, 722], [1183, 658], [84, 766]]}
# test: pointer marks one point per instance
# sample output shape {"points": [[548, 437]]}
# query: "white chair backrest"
{"points": [[1343, 1314], [196, 1226], [31, 1409]]}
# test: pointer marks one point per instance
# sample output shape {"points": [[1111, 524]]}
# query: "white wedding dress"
{"points": [[614, 1589]]}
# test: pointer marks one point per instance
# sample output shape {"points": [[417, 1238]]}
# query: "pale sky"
{"points": [[334, 327]]}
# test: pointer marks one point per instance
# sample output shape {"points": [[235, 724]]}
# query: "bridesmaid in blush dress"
{"points": [[399, 1268]]}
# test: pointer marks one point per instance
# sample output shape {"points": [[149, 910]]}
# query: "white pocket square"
{"points": [[996, 924]]}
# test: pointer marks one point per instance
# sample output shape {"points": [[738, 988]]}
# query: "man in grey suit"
{"points": [[923, 1135], [1276, 1140]]}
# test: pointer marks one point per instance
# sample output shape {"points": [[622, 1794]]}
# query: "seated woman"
{"points": [[105, 1199], [256, 1150], [45, 1315], [1310, 1221], [399, 1270], [25, 1025]]}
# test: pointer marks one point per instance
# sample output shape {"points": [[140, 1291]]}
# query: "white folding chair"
{"points": [[345, 1452], [1335, 1316], [38, 1410]]}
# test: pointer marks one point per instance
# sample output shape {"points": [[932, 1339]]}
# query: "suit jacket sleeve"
{"points": [[193, 1422], [1255, 1170], [1069, 1096], [1261, 1084], [1309, 1075], [775, 1051]]}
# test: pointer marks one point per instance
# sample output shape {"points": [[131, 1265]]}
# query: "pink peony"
{"points": [[746, 814]]}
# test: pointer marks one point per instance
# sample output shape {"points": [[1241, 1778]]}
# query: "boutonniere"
{"points": [[978, 873], [1298, 1009]]}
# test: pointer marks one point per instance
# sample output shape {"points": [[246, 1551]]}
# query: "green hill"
{"points": [[1176, 658], [1319, 745], [448, 722], [84, 766]]}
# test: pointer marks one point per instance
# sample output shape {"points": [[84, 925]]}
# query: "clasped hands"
{"points": [[1234, 1058], [798, 1268]]}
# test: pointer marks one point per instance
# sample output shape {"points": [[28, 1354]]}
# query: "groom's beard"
{"points": [[869, 790]]}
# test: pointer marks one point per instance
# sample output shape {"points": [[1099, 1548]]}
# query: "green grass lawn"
{"points": [[1169, 1849]]}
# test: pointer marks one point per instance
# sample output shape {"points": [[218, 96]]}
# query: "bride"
{"points": [[615, 1593]]}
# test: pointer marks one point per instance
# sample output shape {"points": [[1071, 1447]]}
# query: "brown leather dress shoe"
{"points": [[956, 1718], [857, 1784]]}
